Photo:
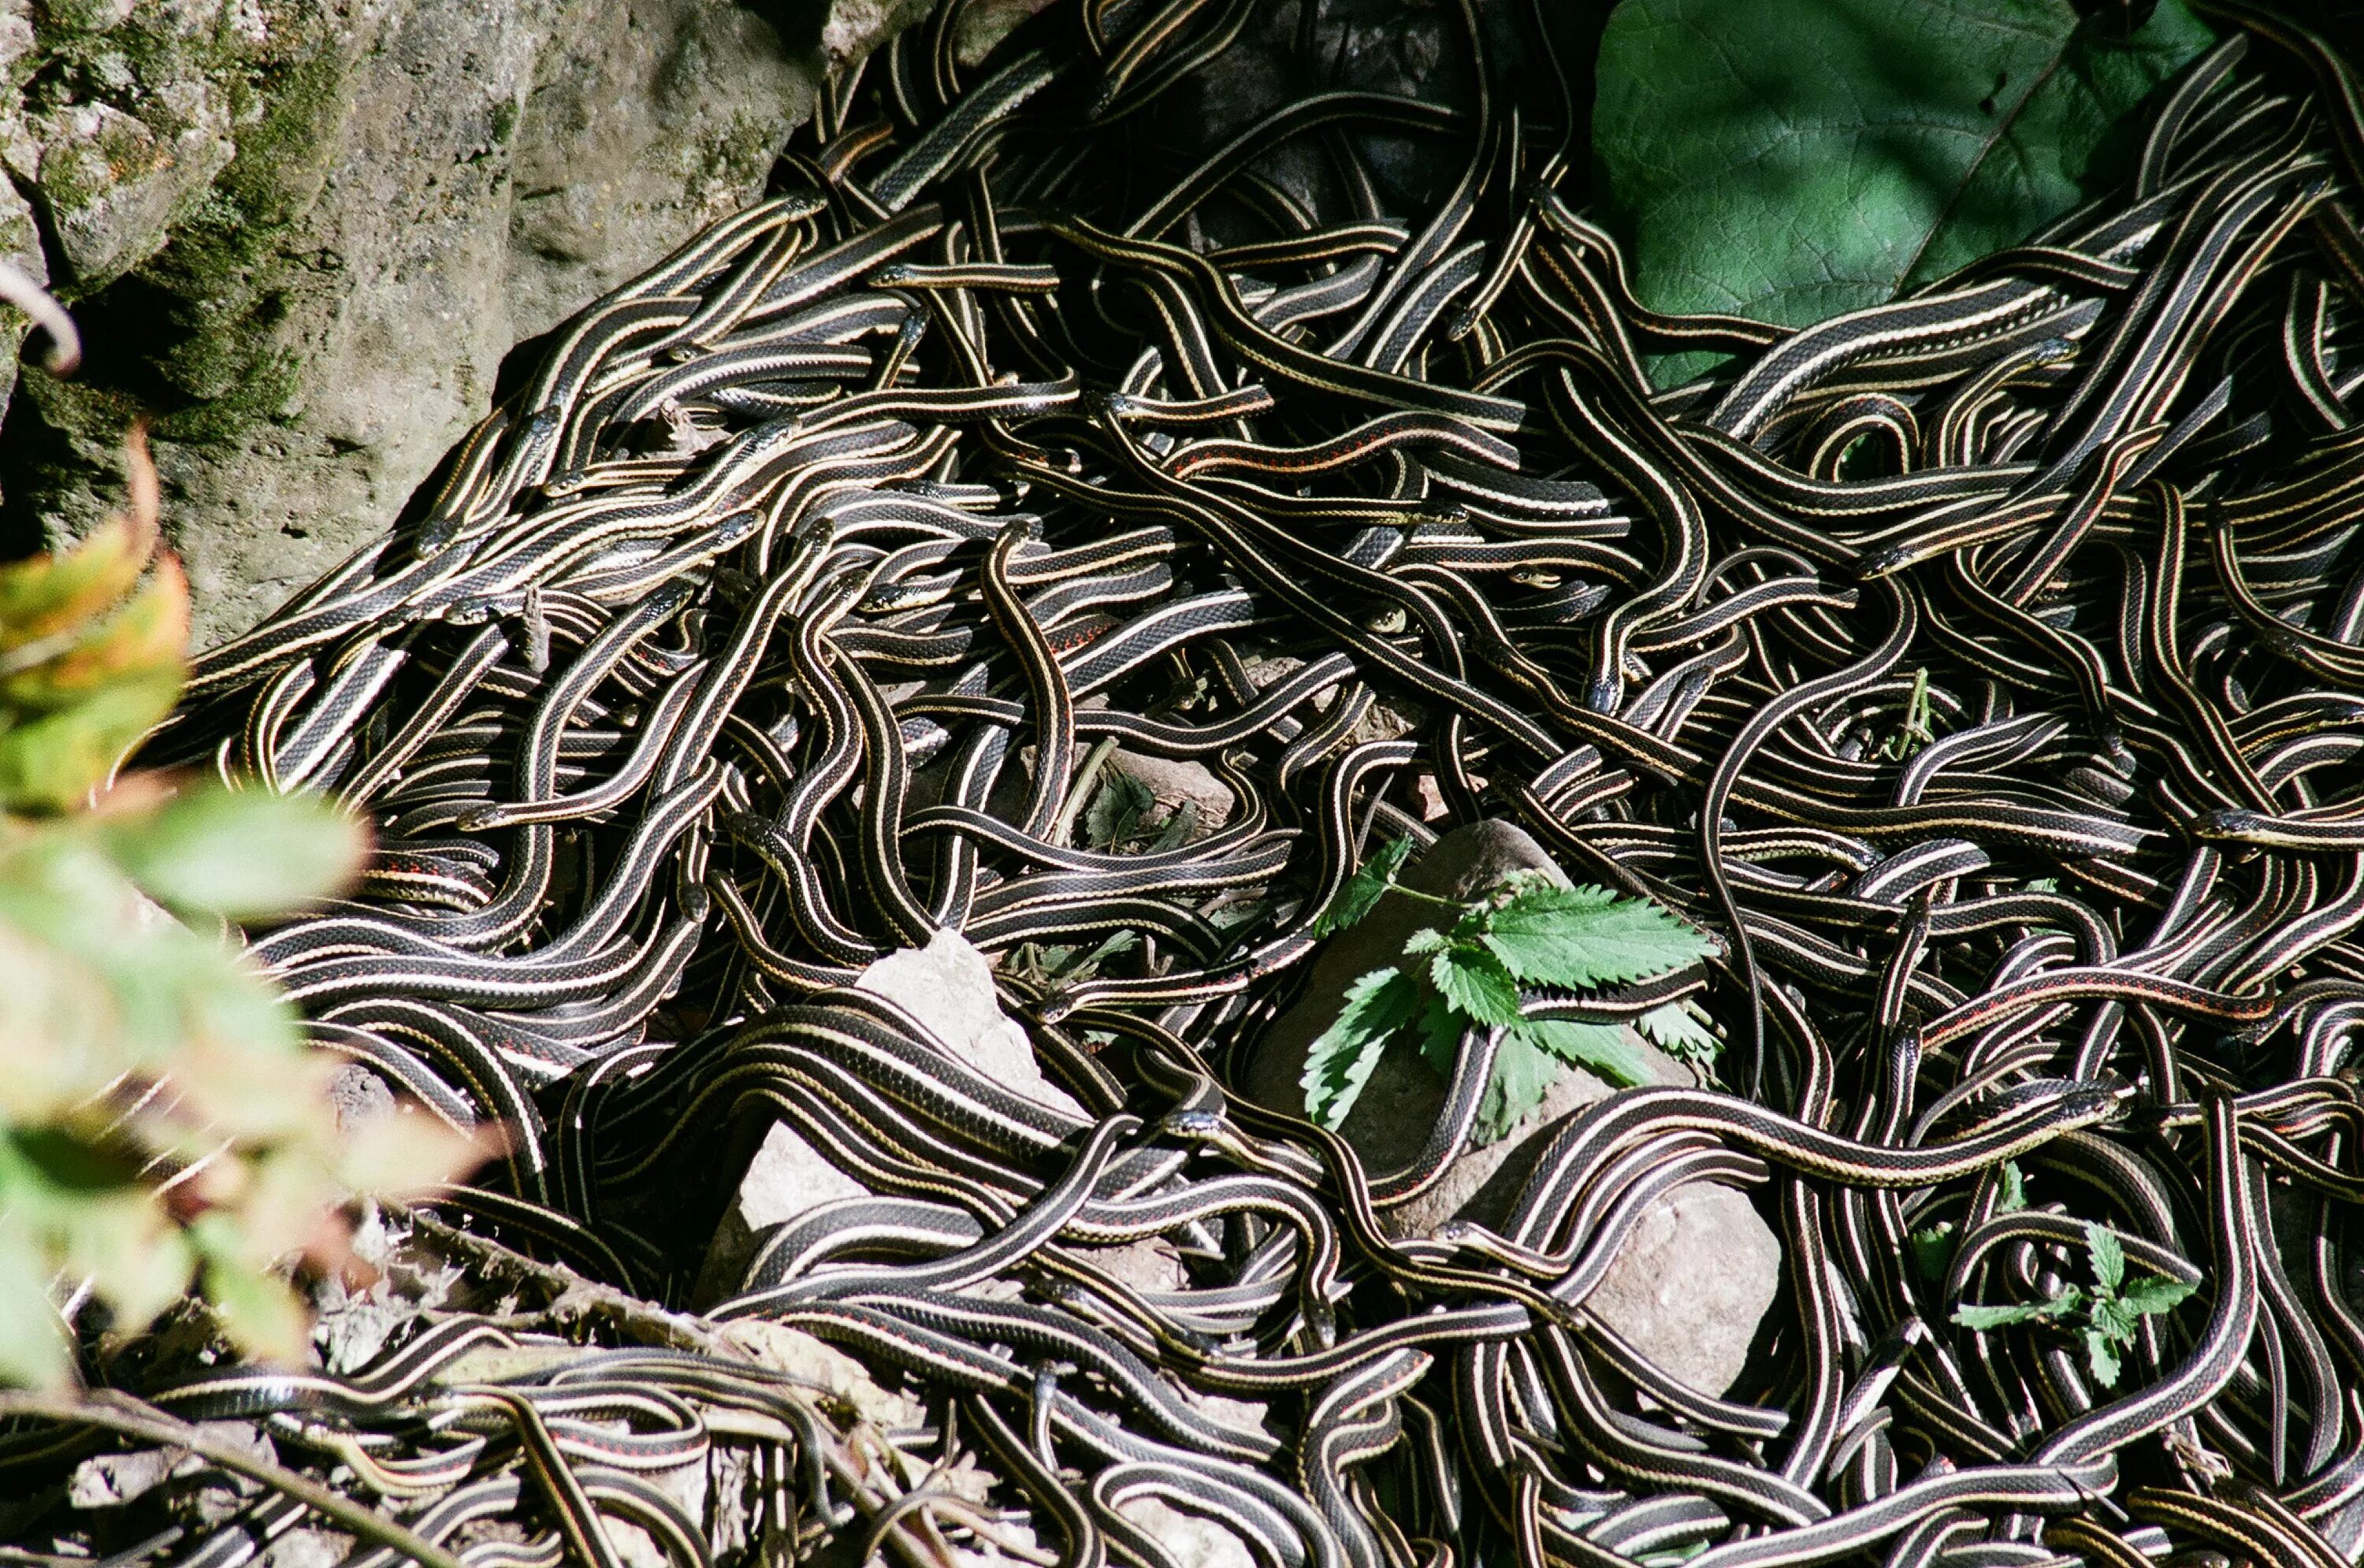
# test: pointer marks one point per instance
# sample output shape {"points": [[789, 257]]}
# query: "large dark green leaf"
{"points": [[1793, 158]]}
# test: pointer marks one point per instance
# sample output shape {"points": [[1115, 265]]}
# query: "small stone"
{"points": [[948, 987], [1701, 1266], [359, 1096], [1190, 1540], [1176, 781], [787, 1177], [105, 1480], [307, 1548]]}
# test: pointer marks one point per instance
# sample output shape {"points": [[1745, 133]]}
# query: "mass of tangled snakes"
{"points": [[1984, 670]]}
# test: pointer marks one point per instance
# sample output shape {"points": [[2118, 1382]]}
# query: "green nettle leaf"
{"points": [[2102, 1355], [1440, 1035], [2109, 1256], [52, 761], [2013, 1196], [1363, 889], [1600, 1047], [2115, 1318], [1578, 937], [1116, 810], [2151, 1294], [240, 853], [1974, 1317], [33, 1352], [1789, 160], [1474, 981], [1340, 1060], [1179, 829], [1523, 1073], [1933, 1250], [1678, 1029]]}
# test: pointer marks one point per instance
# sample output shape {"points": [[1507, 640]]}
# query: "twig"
{"points": [[120, 1412], [574, 1298]]}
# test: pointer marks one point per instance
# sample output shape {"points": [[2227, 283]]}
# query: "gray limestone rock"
{"points": [[1701, 1266], [947, 987], [1176, 781], [306, 233], [1191, 1539]]}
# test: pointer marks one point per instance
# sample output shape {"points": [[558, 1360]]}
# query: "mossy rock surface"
{"points": [[304, 235]]}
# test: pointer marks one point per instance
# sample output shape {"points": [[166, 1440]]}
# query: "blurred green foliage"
{"points": [[165, 1129]]}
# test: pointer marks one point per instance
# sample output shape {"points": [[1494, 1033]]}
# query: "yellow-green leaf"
{"points": [[240, 853]]}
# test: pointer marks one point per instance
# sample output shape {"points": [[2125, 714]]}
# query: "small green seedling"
{"points": [[1916, 732], [1529, 932], [2106, 1318], [1933, 1245]]}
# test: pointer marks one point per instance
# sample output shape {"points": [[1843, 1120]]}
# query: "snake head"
{"points": [[1194, 1126], [2228, 822], [1886, 560]]}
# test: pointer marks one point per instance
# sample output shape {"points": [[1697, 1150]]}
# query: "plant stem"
{"points": [[1428, 897], [1081, 790], [120, 1412]]}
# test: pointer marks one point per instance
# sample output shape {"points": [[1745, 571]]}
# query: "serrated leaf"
{"points": [[1678, 1031], [48, 595], [1363, 890], [1474, 982], [2109, 1257], [259, 1311], [1422, 942], [2102, 1355], [146, 637], [1179, 829], [2004, 1314], [1793, 158], [1339, 1061], [1933, 1250], [1523, 1075], [1604, 1047], [2012, 1197], [2152, 1294], [238, 854], [1116, 810], [2114, 1317], [1577, 938], [1440, 1035]]}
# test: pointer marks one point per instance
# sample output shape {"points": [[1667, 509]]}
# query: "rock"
{"points": [[309, 1548], [1177, 781], [1191, 1541], [307, 235], [948, 986], [1151, 1263], [1687, 1287], [826, 1368], [1701, 1265], [854, 28], [786, 1177], [111, 185], [634, 1546], [359, 1096]]}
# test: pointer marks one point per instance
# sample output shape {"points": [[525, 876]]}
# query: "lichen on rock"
{"points": [[310, 232]]}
